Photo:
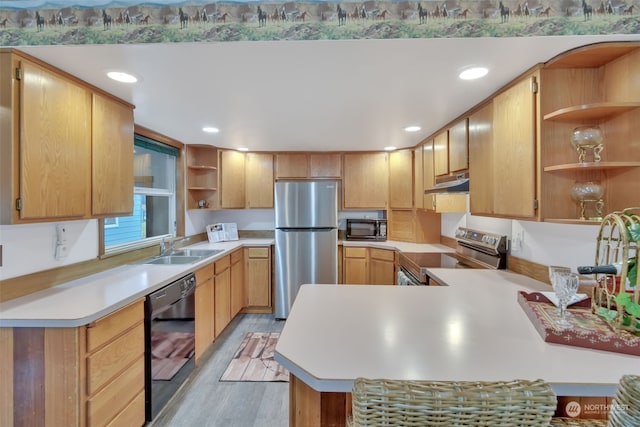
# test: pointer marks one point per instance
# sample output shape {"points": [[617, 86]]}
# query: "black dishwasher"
{"points": [[169, 342]]}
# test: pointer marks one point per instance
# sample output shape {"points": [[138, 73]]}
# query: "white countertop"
{"points": [[84, 300], [472, 330]]}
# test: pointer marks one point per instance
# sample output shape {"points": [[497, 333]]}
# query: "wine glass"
{"points": [[565, 286]]}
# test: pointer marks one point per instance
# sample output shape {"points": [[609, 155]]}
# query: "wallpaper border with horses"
{"points": [[238, 21]]}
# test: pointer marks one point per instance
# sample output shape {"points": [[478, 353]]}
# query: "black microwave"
{"points": [[366, 229]]}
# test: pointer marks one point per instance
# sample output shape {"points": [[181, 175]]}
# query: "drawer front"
{"points": [[355, 252], [203, 274], [381, 254], [117, 397], [114, 358], [258, 252], [221, 265], [132, 415], [236, 256], [109, 327]]}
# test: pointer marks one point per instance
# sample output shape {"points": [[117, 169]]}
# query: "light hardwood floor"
{"points": [[205, 401]]}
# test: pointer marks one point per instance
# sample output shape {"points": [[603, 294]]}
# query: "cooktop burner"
{"points": [[432, 259]]}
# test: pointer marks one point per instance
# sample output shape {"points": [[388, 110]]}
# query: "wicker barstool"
{"points": [[381, 402], [624, 411]]}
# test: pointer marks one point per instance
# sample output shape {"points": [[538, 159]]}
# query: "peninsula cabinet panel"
{"points": [[514, 150], [401, 179], [366, 180], [50, 378], [481, 161], [112, 158], [259, 179], [232, 179]]}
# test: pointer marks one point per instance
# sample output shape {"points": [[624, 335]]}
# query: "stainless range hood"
{"points": [[458, 183]]}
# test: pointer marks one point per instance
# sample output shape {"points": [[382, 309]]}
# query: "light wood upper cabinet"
{"points": [[259, 179], [428, 174], [481, 160], [418, 178], [401, 179], [112, 157], [441, 153], [366, 180], [594, 85], [232, 179], [514, 150], [458, 147], [202, 176], [54, 119], [308, 165], [46, 164]]}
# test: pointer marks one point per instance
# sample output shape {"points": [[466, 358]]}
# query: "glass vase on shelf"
{"points": [[588, 193], [587, 138]]}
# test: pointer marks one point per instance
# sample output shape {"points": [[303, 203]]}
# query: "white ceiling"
{"points": [[307, 95]]}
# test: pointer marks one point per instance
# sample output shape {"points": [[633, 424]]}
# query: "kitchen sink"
{"points": [[173, 259], [203, 253]]}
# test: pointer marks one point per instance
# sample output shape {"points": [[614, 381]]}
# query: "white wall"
{"points": [[30, 248]]}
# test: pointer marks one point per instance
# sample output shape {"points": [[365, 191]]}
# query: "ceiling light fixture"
{"points": [[389, 148], [412, 128], [210, 129], [473, 73], [122, 77], [243, 149]]}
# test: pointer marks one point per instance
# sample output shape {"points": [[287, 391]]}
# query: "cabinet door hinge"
{"points": [[535, 204], [534, 85], [18, 204], [18, 73]]}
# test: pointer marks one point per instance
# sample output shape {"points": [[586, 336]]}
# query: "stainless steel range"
{"points": [[474, 249]]}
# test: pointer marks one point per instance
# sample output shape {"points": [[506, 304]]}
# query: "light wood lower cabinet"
{"points": [[204, 314], [237, 282], [372, 266], [92, 375], [258, 280], [222, 294]]}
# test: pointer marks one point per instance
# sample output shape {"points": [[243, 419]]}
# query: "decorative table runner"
{"points": [[587, 329]]}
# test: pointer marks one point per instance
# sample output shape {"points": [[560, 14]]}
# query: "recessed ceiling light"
{"points": [[473, 73], [243, 149], [412, 128], [210, 129], [122, 77], [389, 148]]}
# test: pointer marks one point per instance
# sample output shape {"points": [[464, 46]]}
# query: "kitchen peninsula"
{"points": [[473, 329]]}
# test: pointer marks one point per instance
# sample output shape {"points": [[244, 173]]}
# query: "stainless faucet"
{"points": [[172, 244]]}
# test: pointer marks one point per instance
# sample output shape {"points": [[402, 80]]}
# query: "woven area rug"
{"points": [[171, 350], [254, 360]]}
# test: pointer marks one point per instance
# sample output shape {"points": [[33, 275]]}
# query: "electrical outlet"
{"points": [[61, 234], [61, 251]]}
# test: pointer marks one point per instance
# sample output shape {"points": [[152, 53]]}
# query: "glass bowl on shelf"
{"points": [[588, 193], [587, 138]]}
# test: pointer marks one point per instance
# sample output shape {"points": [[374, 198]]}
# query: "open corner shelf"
{"points": [[595, 111], [591, 166]]}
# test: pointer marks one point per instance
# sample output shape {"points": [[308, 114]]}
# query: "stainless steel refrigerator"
{"points": [[306, 228]]}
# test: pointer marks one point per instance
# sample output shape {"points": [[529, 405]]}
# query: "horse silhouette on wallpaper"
{"points": [[106, 20], [587, 10], [39, 21], [184, 18], [504, 13], [423, 14], [342, 16], [262, 17]]}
